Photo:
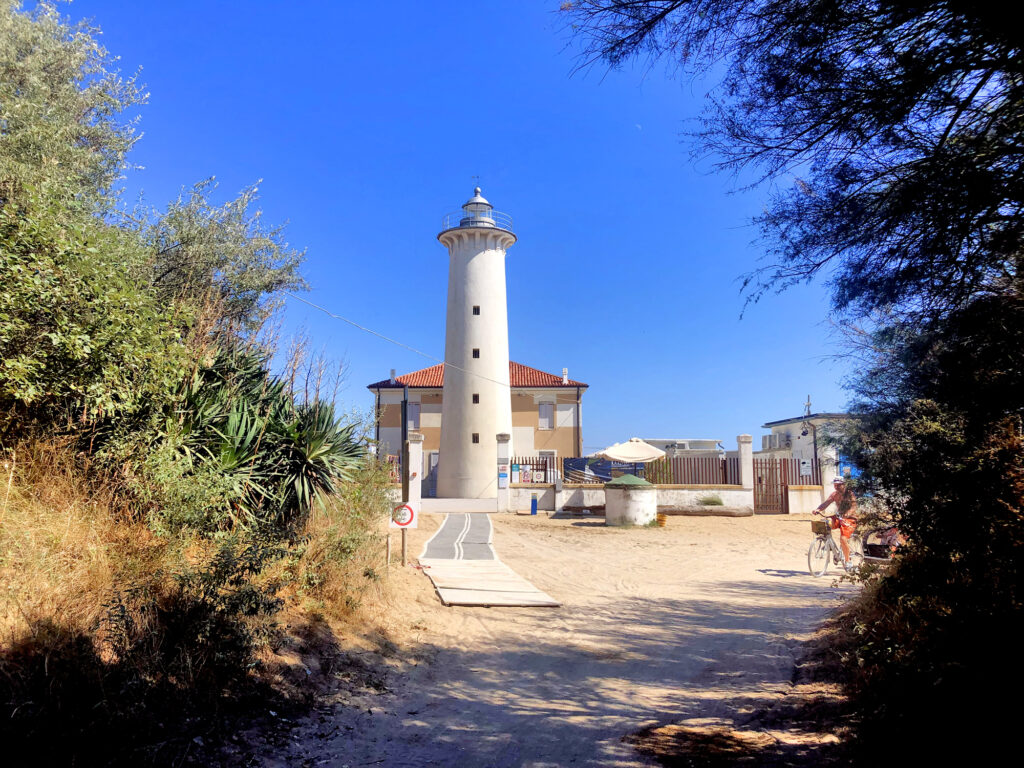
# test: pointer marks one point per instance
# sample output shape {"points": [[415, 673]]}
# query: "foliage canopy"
{"points": [[79, 340], [890, 133], [61, 101], [221, 258], [891, 130], [130, 348]]}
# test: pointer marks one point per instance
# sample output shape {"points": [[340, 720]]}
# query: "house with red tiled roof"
{"points": [[547, 412]]}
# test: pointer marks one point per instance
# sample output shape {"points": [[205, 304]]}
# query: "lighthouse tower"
{"points": [[476, 403]]}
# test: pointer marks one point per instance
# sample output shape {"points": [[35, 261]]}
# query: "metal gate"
{"points": [[772, 478], [769, 487]]}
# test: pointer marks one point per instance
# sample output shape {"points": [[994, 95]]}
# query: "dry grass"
{"points": [[107, 628], [338, 572], [64, 549], [60, 548]]}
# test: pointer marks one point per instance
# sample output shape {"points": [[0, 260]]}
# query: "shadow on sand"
{"points": [[581, 680]]}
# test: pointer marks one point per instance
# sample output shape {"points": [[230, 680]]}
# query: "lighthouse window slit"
{"points": [[476, 399], [476, 437], [476, 353], [476, 310]]}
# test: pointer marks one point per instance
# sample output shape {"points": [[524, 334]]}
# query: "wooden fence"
{"points": [[773, 476], [791, 471], [690, 470], [694, 470]]}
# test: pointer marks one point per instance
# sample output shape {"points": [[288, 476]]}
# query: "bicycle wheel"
{"points": [[818, 556], [856, 553]]}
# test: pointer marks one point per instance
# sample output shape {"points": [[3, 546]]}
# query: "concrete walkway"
{"points": [[465, 570], [428, 504], [462, 537]]}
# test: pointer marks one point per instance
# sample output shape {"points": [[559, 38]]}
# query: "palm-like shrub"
{"points": [[313, 451], [265, 460]]}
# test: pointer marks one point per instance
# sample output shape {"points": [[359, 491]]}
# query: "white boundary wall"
{"points": [[803, 499], [521, 494], [593, 496]]}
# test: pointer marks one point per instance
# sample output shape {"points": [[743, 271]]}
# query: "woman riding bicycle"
{"points": [[846, 513]]}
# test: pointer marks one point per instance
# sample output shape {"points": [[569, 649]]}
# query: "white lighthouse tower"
{"points": [[476, 403]]}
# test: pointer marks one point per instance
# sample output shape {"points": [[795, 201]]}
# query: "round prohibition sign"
{"points": [[403, 516]]}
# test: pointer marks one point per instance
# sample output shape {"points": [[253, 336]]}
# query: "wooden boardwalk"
{"points": [[465, 570]]}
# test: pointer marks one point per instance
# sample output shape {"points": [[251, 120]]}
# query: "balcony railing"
{"points": [[495, 219]]}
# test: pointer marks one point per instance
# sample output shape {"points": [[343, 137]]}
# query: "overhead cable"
{"points": [[392, 341]]}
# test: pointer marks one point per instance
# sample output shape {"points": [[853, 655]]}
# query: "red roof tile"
{"points": [[433, 378], [524, 376]]}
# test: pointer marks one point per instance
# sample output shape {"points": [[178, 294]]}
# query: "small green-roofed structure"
{"points": [[627, 481], [630, 500]]}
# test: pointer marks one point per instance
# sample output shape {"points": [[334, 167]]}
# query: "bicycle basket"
{"points": [[820, 527]]}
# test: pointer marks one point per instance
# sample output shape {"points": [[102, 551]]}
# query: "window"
{"points": [[476, 399], [546, 416], [476, 353], [476, 437], [476, 309], [413, 416]]}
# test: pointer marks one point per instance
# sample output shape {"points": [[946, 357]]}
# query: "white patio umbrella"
{"points": [[634, 451]]}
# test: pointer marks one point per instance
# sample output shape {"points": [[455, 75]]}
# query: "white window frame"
{"points": [[540, 419], [412, 414]]}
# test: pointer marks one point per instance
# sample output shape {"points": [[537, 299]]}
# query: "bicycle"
{"points": [[824, 548]]}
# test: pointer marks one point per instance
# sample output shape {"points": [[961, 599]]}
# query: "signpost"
{"points": [[404, 516]]}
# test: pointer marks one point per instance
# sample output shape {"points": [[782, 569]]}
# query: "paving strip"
{"points": [[461, 563], [462, 537]]}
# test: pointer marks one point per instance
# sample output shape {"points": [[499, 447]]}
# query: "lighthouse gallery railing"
{"points": [[494, 219]]}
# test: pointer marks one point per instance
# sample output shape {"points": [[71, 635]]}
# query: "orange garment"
{"points": [[847, 525], [846, 507]]}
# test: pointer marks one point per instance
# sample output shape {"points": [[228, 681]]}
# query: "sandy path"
{"points": [[656, 624]]}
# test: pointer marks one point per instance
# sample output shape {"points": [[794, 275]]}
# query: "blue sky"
{"points": [[367, 126]]}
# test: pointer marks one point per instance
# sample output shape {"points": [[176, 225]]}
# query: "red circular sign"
{"points": [[403, 516]]}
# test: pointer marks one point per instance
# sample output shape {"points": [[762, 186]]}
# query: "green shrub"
{"points": [[711, 500], [923, 645], [131, 338], [80, 342]]}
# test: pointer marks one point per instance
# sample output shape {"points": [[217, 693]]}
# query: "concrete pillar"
{"points": [[415, 468], [504, 468], [746, 450]]}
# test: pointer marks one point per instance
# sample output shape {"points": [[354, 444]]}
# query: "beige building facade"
{"points": [[547, 413]]}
